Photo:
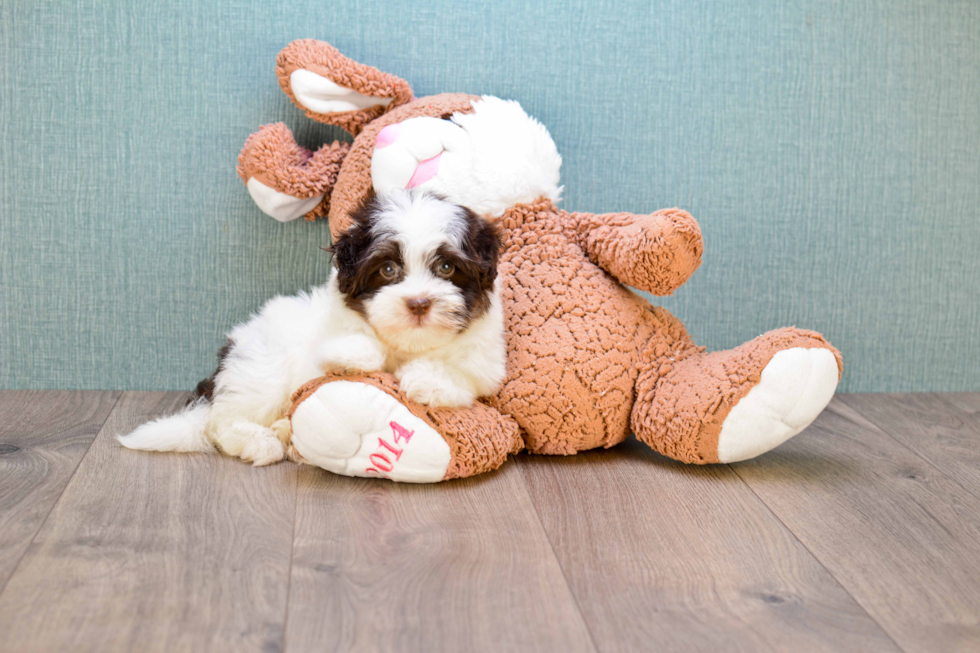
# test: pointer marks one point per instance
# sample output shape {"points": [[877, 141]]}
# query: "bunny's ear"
{"points": [[334, 89]]}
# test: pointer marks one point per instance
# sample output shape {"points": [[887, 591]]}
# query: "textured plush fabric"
{"points": [[574, 335], [829, 151], [655, 253], [294, 169]]}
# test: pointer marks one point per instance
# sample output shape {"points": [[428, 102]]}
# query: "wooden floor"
{"points": [[861, 534]]}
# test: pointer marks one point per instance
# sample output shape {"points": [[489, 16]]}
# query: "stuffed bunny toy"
{"points": [[589, 361]]}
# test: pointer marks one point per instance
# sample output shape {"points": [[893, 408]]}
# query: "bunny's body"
{"points": [[588, 360]]}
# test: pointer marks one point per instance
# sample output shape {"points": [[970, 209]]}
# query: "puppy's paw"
{"points": [[356, 353], [429, 383], [295, 456], [262, 451], [251, 442], [283, 430]]}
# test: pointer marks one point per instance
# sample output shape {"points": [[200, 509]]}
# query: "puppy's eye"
{"points": [[389, 270], [446, 269]]}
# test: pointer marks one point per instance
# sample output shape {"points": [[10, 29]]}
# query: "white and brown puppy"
{"points": [[413, 292]]}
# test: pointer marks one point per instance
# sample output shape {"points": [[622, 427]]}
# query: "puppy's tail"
{"points": [[181, 432]]}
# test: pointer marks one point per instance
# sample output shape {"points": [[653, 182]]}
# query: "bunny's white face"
{"points": [[487, 161]]}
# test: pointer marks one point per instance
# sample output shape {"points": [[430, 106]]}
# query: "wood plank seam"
{"points": [[817, 559], [55, 503], [554, 554], [292, 552]]}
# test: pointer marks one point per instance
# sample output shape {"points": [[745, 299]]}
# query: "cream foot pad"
{"points": [[795, 386], [355, 429]]}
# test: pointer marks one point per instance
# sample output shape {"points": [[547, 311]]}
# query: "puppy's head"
{"points": [[416, 267]]}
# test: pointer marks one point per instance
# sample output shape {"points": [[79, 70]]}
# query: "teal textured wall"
{"points": [[830, 151]]}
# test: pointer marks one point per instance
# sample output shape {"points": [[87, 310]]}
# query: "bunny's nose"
{"points": [[419, 305], [388, 135]]}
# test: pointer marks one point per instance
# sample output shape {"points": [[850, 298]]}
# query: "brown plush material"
{"points": [[273, 157], [656, 253], [588, 359], [681, 404], [479, 438], [575, 334]]}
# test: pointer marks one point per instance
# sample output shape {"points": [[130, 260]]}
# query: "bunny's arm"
{"points": [[656, 253]]}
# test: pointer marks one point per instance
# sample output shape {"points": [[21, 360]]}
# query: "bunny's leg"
{"points": [[364, 426], [733, 405]]}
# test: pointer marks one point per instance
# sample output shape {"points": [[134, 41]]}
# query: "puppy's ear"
{"points": [[334, 89], [344, 251], [352, 246], [346, 254], [483, 246]]}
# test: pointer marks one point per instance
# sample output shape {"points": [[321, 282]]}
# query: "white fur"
{"points": [[293, 340], [492, 159], [181, 432]]}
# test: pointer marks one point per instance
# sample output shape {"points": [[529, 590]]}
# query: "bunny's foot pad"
{"points": [[356, 429]]}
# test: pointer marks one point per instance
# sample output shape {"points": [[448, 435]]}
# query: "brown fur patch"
{"points": [[475, 266], [205, 389], [358, 257]]}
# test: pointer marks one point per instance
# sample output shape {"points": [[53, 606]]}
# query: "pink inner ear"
{"points": [[425, 171], [388, 135]]}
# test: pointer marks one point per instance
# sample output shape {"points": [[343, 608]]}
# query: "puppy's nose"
{"points": [[419, 305]]}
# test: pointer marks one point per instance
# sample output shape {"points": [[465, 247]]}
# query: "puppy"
{"points": [[413, 292]]}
